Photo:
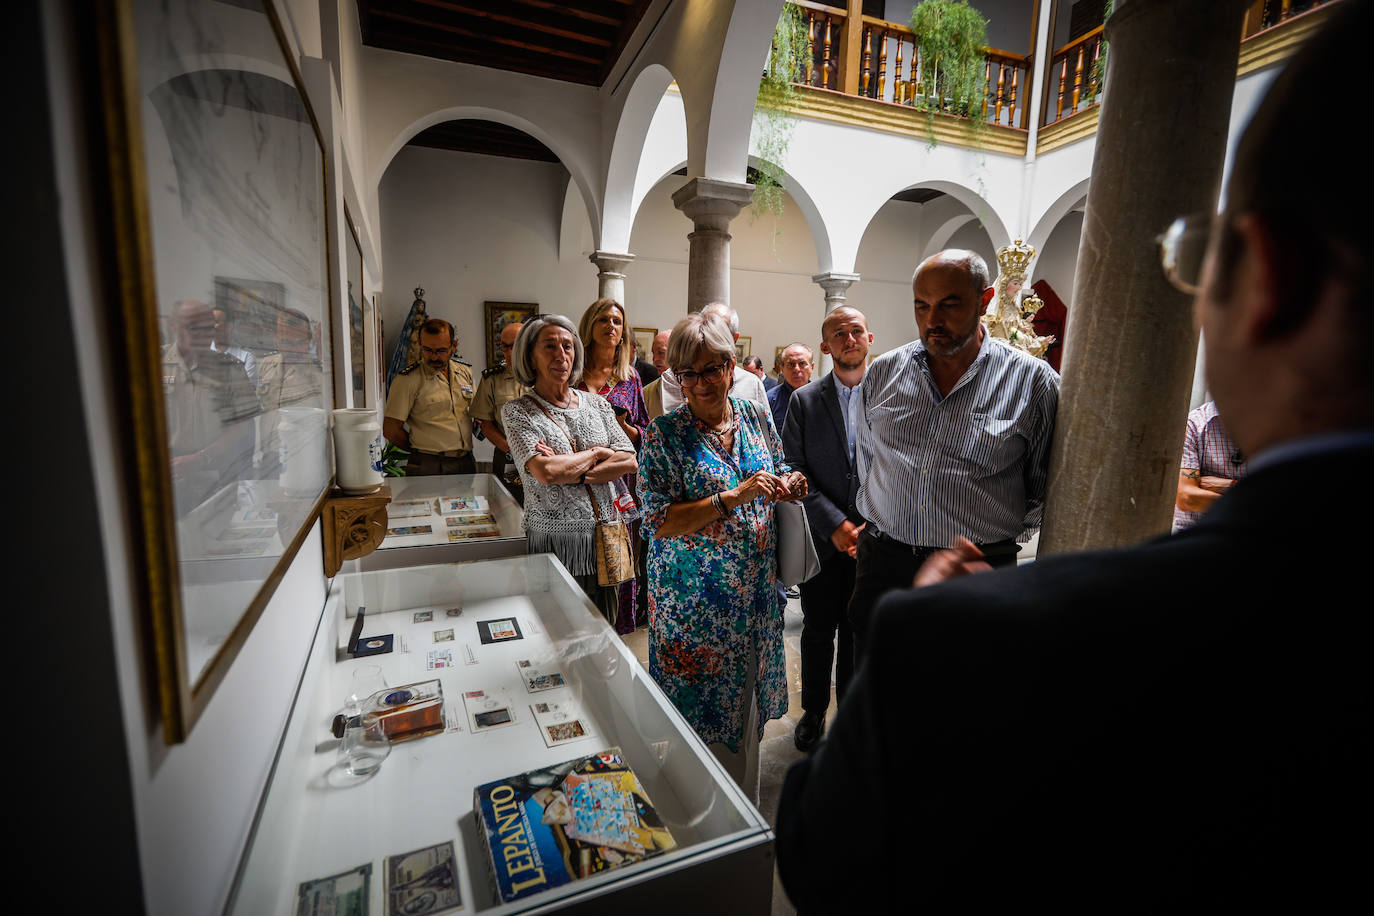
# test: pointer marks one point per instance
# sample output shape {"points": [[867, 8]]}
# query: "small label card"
{"points": [[440, 658]]}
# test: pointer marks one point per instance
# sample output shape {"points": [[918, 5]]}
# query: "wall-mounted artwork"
{"points": [[644, 341], [743, 347], [500, 314], [217, 171]]}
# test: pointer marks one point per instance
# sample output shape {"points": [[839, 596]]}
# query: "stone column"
{"points": [[835, 286], [710, 205], [610, 274], [1130, 341]]}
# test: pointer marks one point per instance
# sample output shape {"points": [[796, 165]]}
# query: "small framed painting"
{"points": [[644, 341], [743, 347], [500, 314]]}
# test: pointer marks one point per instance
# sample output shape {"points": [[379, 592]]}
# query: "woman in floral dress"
{"points": [[709, 473], [609, 371]]}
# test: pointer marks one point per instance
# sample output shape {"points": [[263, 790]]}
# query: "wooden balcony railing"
{"points": [[862, 68], [824, 29], [1265, 14], [1073, 84]]}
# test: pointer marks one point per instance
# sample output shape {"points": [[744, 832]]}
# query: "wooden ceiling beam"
{"points": [[564, 9], [528, 24], [548, 68], [468, 33]]}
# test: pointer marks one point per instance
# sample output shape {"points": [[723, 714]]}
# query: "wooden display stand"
{"points": [[353, 526]]}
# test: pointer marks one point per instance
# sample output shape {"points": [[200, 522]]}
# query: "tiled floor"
{"points": [[777, 751]]}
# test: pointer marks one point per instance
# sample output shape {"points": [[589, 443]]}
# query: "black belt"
{"points": [[453, 453], [994, 548]]}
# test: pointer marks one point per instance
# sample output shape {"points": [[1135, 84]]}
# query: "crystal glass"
{"points": [[367, 680], [365, 744]]}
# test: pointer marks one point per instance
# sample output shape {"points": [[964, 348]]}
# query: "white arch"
{"points": [[642, 103], [478, 113], [978, 208], [1056, 211], [744, 53], [820, 233], [944, 232]]}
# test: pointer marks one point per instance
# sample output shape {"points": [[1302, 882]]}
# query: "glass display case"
{"points": [[481, 629], [443, 519]]}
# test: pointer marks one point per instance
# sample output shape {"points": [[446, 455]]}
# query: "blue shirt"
{"points": [[851, 406], [974, 462]]}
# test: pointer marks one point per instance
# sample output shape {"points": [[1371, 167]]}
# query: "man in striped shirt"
{"points": [[1211, 463], [955, 440]]}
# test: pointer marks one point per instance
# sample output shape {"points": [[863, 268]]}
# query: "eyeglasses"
{"points": [[434, 351], [796, 363], [1183, 249], [710, 375]]}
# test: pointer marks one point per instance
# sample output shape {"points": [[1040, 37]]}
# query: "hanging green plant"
{"points": [[773, 118], [950, 36]]}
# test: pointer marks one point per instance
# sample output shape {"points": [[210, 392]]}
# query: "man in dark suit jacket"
{"points": [[1182, 725], [797, 364], [818, 438]]}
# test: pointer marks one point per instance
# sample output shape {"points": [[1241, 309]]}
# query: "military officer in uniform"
{"points": [[497, 389], [209, 403], [431, 398]]}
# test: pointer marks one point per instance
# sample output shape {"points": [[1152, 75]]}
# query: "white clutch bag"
{"points": [[797, 558]]}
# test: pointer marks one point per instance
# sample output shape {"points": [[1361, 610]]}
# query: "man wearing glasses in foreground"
{"points": [[1179, 726], [431, 399]]}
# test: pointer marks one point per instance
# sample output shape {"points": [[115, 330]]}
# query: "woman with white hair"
{"points": [[710, 472], [565, 443]]}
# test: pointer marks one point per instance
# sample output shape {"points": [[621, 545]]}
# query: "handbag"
{"points": [[797, 557], [615, 561]]}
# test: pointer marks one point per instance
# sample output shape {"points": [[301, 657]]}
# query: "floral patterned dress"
{"points": [[629, 395], [713, 596]]}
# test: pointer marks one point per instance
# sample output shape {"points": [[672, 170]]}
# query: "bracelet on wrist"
{"points": [[718, 501]]}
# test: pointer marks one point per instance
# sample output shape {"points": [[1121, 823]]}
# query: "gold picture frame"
{"points": [[201, 435], [743, 347], [498, 315], [644, 341]]}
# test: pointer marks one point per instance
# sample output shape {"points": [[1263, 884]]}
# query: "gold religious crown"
{"points": [[1013, 259]]}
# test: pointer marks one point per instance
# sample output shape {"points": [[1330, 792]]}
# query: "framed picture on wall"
{"points": [[500, 314], [229, 420], [743, 347], [777, 356], [644, 340]]}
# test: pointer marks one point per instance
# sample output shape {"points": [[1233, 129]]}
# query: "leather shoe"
{"points": [[808, 730]]}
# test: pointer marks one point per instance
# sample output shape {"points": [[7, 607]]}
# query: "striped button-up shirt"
{"points": [[973, 463], [1208, 449]]}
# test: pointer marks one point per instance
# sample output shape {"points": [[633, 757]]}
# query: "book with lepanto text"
{"points": [[565, 822]]}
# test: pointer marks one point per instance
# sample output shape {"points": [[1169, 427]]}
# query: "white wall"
{"points": [[1058, 262]]}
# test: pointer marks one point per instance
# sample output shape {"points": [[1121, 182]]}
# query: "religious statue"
{"points": [[1009, 314]]}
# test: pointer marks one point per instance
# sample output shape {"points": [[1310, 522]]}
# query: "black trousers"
{"points": [[423, 464], [824, 602], [884, 565]]}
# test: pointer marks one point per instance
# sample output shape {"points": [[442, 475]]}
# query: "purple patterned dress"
{"points": [[629, 395]]}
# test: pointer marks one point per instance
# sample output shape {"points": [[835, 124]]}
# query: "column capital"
{"points": [[610, 262], [835, 285], [712, 204]]}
